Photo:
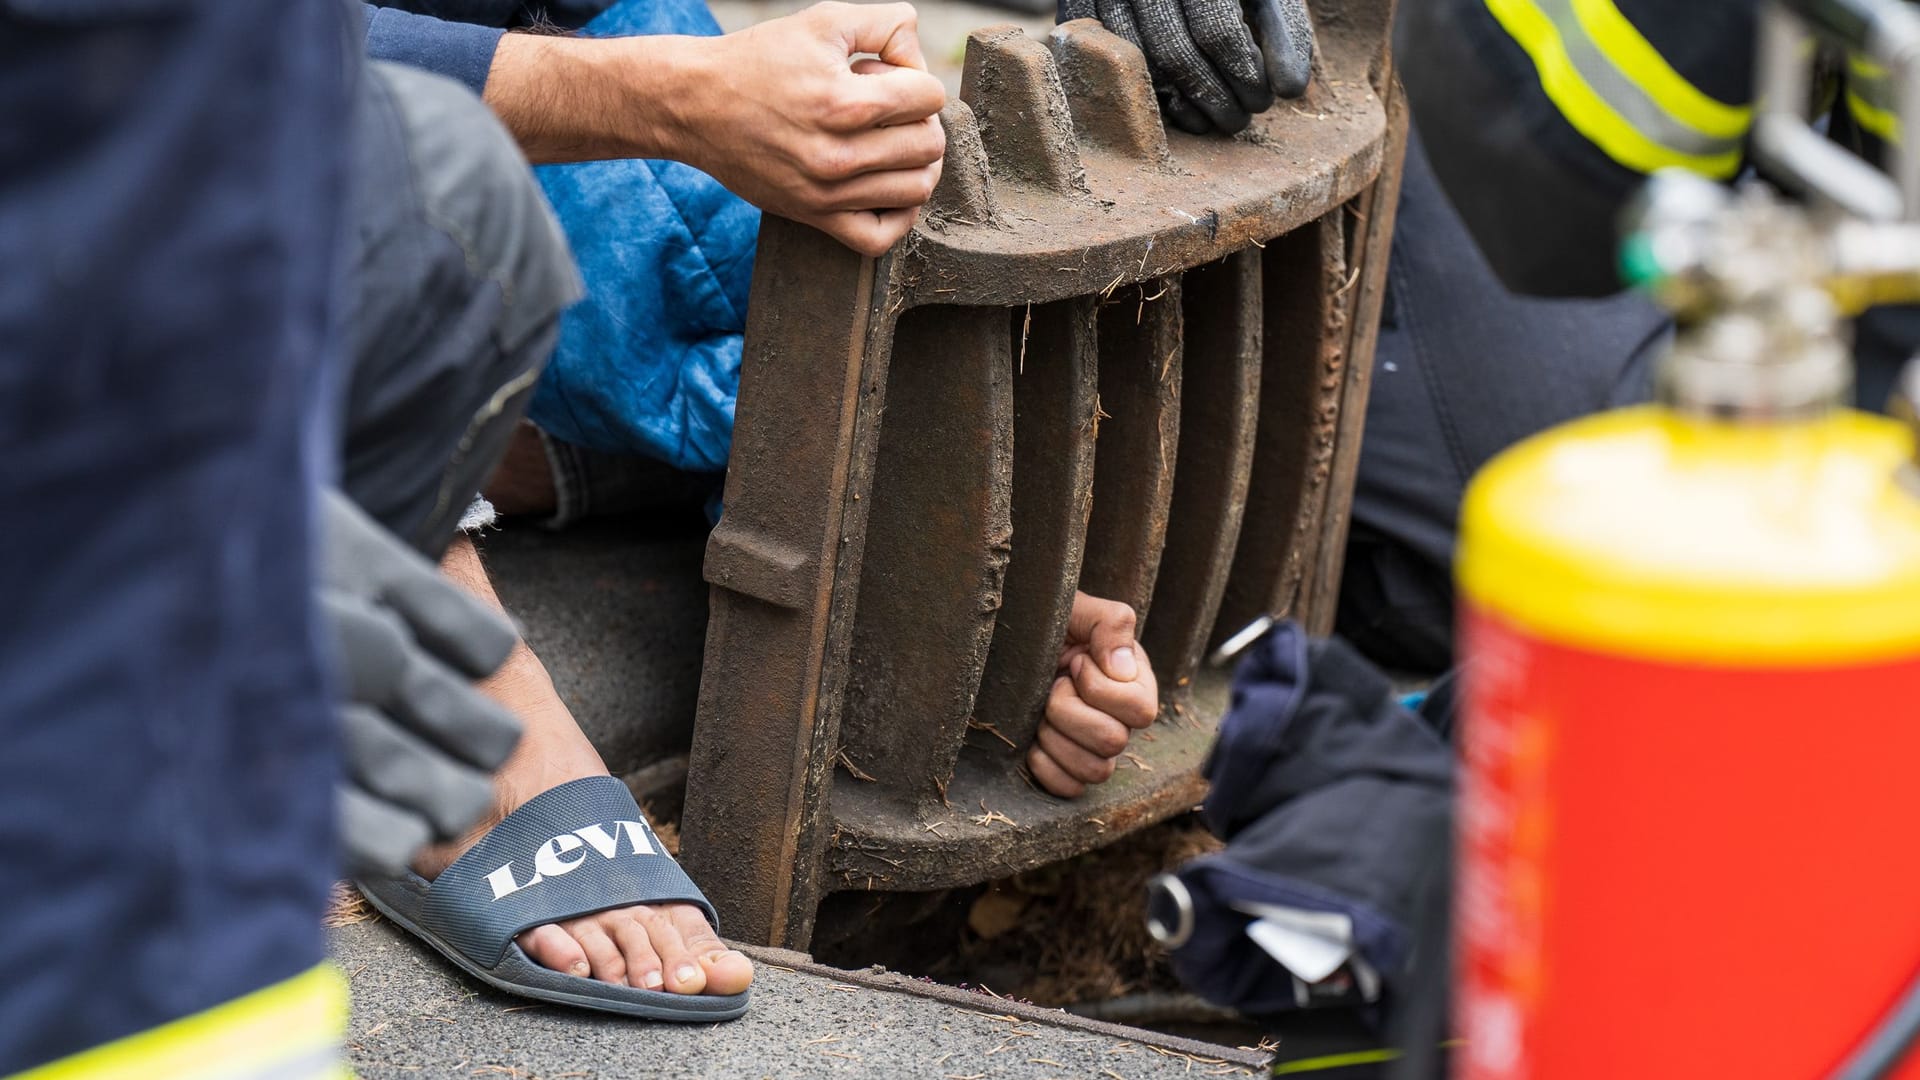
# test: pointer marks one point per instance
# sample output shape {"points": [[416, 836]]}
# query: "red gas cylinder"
{"points": [[1691, 746]]}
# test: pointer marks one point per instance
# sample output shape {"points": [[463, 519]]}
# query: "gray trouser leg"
{"points": [[461, 275]]}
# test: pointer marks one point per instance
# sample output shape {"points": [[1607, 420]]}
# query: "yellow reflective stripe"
{"points": [[1352, 1059], [1868, 98], [1864, 67], [1872, 118], [1590, 113], [1635, 56], [1328, 1062], [292, 1029]]}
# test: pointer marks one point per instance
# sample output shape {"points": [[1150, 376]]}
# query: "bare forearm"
{"points": [[589, 99], [827, 116]]}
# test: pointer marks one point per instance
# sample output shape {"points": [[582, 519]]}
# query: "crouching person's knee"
{"points": [[462, 275]]}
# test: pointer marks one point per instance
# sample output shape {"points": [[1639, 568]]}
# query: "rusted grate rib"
{"points": [[1307, 293], [1104, 359], [1140, 374], [1055, 413], [937, 541], [1219, 404]]}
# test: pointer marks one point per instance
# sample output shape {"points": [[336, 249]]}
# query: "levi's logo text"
{"points": [[565, 853]]}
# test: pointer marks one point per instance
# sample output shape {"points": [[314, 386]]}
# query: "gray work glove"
{"points": [[1208, 69], [421, 741]]}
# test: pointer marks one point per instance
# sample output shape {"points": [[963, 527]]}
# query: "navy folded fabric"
{"points": [[649, 362], [1332, 797]]}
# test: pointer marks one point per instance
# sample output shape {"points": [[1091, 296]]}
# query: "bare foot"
{"points": [[656, 947]]}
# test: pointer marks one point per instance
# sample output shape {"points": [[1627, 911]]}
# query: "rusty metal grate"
{"points": [[1105, 358]]}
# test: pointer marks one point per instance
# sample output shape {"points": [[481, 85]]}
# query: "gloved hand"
{"points": [[1208, 70], [421, 742]]}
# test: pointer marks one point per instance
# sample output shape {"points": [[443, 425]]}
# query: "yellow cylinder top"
{"points": [[1646, 532]]}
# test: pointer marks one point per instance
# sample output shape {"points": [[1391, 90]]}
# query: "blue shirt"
{"points": [[457, 38]]}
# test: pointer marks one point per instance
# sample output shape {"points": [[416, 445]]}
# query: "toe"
{"points": [[551, 947], [728, 971], [643, 963], [724, 970], [677, 964], [609, 966]]}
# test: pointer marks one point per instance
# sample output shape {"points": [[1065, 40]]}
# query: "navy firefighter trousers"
{"points": [[172, 181]]}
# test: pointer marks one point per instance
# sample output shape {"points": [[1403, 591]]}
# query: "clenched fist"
{"points": [[1105, 690]]}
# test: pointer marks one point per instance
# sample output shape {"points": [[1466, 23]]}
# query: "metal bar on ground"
{"points": [[772, 564], [862, 608]]}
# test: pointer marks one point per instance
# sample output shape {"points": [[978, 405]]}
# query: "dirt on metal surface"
{"points": [[932, 549], [1075, 931], [995, 824], [1140, 378], [1071, 217], [1056, 423], [897, 556]]}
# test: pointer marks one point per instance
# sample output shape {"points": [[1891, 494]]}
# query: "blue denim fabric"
{"points": [[649, 362], [462, 51]]}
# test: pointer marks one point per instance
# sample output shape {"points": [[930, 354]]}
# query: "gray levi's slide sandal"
{"points": [[579, 848]]}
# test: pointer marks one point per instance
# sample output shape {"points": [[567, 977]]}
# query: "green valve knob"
{"points": [[1639, 266]]}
